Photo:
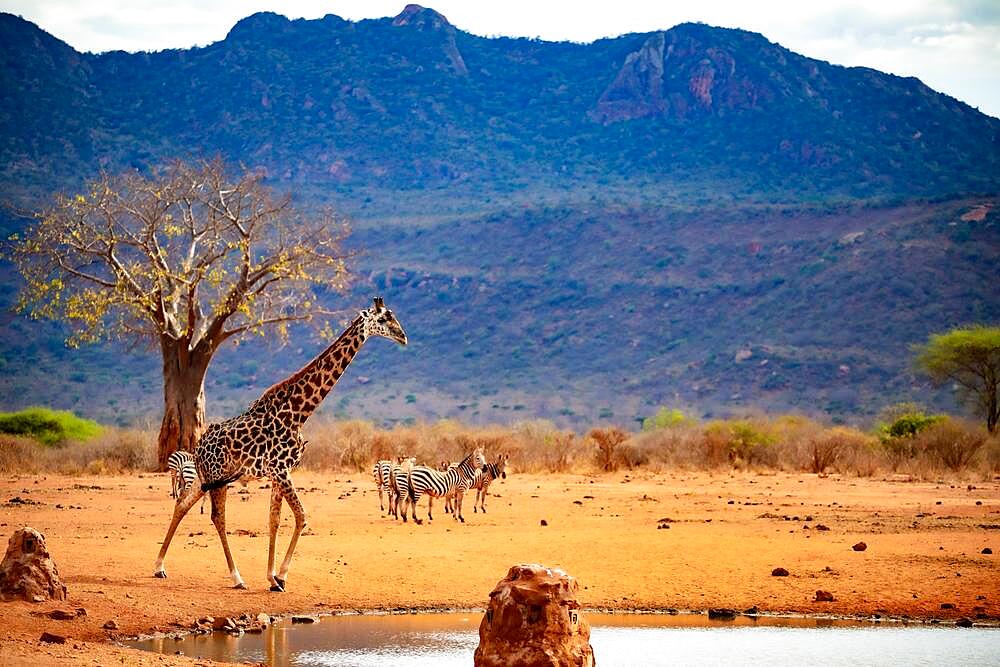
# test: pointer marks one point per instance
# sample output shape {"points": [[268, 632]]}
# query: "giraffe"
{"points": [[266, 441]]}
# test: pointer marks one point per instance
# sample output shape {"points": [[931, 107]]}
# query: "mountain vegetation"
{"points": [[695, 218]]}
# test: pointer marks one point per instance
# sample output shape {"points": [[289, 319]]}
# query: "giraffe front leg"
{"points": [[288, 491], [184, 503], [274, 520], [218, 498]]}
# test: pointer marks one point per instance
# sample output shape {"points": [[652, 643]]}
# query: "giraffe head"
{"points": [[379, 321]]}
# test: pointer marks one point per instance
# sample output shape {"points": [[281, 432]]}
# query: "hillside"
{"points": [[694, 217]]}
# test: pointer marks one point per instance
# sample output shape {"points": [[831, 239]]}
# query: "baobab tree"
{"points": [[186, 257]]}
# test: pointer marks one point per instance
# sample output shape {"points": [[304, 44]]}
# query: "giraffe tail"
{"points": [[219, 483]]}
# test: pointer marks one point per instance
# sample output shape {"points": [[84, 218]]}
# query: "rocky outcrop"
{"points": [[533, 619], [27, 572], [637, 90], [680, 74], [426, 19]]}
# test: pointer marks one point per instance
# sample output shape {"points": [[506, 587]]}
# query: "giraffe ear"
{"points": [[379, 304]]}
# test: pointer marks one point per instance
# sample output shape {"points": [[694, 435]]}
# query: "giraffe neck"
{"points": [[297, 397]]}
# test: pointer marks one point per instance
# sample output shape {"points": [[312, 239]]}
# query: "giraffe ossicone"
{"points": [[266, 441]]}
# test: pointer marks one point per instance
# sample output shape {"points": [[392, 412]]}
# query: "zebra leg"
{"points": [[288, 491], [274, 520], [413, 500], [381, 504], [218, 497], [457, 509], [486, 492], [430, 507], [475, 502], [184, 503]]}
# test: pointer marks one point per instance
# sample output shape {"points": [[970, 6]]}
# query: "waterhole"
{"points": [[618, 639]]}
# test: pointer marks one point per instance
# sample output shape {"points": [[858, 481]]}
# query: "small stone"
{"points": [[304, 619], [824, 596], [50, 638], [224, 623], [820, 526], [779, 572], [964, 622], [721, 614], [986, 551], [860, 546], [543, 522], [62, 615], [110, 625], [947, 605], [752, 611], [263, 619]]}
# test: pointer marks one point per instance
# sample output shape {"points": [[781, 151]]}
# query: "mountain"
{"points": [[694, 216]]}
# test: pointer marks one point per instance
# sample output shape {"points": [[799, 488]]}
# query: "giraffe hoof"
{"points": [[160, 574], [280, 583], [275, 588], [240, 586]]}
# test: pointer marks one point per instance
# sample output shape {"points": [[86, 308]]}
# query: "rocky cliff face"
{"points": [[677, 73]]}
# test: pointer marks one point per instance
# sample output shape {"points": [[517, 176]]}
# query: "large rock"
{"points": [[27, 572], [533, 619]]}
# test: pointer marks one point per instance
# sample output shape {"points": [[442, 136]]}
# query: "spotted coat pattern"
{"points": [[266, 440]]}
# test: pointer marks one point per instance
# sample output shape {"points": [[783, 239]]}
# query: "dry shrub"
{"points": [[19, 455], [543, 447], [951, 443], [610, 454], [114, 451], [680, 445], [739, 442], [832, 447]]}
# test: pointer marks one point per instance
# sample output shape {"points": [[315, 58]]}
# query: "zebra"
{"points": [[435, 484], [183, 472], [399, 474], [483, 479], [381, 471]]}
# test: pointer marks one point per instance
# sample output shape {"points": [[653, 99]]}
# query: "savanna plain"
{"points": [[639, 532]]}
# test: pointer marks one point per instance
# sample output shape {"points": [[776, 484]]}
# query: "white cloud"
{"points": [[952, 45]]}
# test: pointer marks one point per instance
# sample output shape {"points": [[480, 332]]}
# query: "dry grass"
{"points": [[790, 443]]}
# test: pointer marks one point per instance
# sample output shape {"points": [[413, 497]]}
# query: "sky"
{"points": [[951, 45]]}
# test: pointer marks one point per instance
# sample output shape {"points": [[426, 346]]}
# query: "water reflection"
{"points": [[618, 639]]}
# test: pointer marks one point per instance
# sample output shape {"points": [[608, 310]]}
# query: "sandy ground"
{"points": [[726, 534]]}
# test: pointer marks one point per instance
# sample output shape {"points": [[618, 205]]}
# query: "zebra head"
{"points": [[471, 463], [501, 465]]}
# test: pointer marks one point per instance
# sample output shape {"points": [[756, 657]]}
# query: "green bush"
{"points": [[899, 437], [908, 425], [48, 426], [664, 418]]}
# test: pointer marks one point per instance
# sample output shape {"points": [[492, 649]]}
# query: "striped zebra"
{"points": [[481, 482], [381, 471], [182, 472], [424, 480], [399, 475]]}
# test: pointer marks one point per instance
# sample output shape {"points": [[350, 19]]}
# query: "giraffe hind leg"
{"points": [[218, 497], [288, 491]]}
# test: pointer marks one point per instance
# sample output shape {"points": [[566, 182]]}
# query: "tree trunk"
{"points": [[183, 399]]}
